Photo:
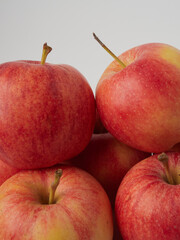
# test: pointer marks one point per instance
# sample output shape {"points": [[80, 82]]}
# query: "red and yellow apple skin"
{"points": [[81, 211], [140, 104], [6, 171], [147, 206], [108, 160], [47, 113]]}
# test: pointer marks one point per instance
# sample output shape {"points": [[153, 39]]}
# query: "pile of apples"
{"points": [[78, 167]]}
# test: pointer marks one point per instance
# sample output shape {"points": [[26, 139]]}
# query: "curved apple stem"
{"points": [[163, 157], [54, 185], [46, 50], [109, 51]]}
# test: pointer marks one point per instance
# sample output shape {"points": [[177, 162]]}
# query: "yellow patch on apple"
{"points": [[171, 54]]}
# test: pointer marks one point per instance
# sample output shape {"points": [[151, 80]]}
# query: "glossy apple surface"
{"points": [[108, 160], [140, 104], [81, 209], [47, 113], [147, 204], [6, 171]]}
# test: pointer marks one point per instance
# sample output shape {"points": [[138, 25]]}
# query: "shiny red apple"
{"points": [[138, 97], [47, 113], [108, 160], [33, 206], [148, 199]]}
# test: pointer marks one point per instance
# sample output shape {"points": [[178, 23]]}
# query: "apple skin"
{"points": [[6, 171], [108, 160], [47, 113], [140, 104], [147, 207], [82, 210]]}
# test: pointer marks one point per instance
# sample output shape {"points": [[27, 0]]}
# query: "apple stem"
{"points": [[46, 51], [109, 51], [54, 185], [163, 157]]}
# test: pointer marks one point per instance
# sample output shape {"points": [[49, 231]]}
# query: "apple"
{"points": [[138, 97], [6, 171], [108, 160], [148, 199], [47, 113], [33, 206]]}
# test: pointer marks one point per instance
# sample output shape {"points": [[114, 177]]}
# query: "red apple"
{"points": [[148, 199], [139, 100], [47, 113], [78, 210], [6, 171], [108, 160]]}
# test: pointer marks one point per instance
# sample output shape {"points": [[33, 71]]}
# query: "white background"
{"points": [[67, 26]]}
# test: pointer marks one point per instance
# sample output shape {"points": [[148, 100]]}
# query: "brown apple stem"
{"points": [[109, 51], [54, 185], [163, 157], [46, 51]]}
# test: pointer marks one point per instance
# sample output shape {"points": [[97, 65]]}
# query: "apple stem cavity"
{"points": [[109, 51], [163, 157], [46, 50], [54, 185]]}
